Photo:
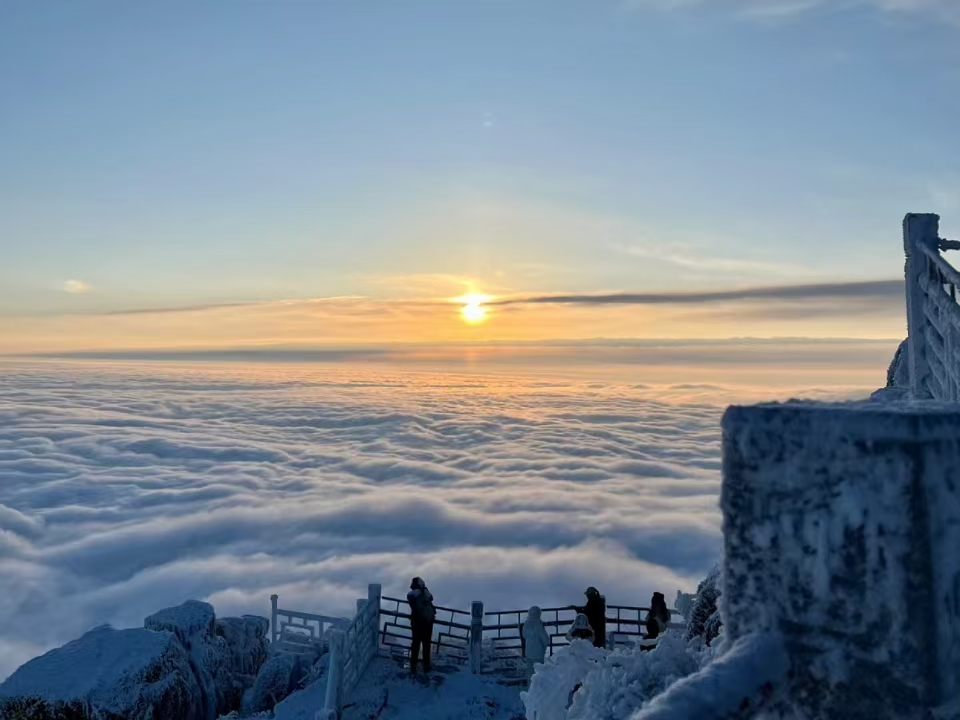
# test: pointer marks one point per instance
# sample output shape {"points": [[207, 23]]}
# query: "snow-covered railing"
{"points": [[933, 312], [351, 651], [459, 635], [294, 631], [625, 625], [451, 631]]}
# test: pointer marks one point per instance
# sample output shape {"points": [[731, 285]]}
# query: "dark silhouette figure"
{"points": [[658, 619], [422, 614], [596, 612]]}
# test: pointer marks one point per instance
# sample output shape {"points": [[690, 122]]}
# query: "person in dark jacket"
{"points": [[658, 618], [422, 614], [596, 612]]}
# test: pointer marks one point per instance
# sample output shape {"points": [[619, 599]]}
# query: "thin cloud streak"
{"points": [[873, 289]]}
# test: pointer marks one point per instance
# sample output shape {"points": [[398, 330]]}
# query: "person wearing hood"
{"points": [[596, 612], [535, 640], [658, 618], [422, 615], [581, 630]]}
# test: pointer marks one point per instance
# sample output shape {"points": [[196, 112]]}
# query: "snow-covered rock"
{"points": [[627, 678], [184, 663], [241, 649], [133, 674], [225, 654], [193, 620], [276, 680], [734, 685], [703, 619], [841, 524], [556, 681]]}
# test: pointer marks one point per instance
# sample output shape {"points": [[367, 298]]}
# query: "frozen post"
{"points": [[841, 524], [373, 597], [273, 618], [476, 637], [331, 704], [919, 231]]}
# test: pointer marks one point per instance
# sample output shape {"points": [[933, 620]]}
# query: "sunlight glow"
{"points": [[473, 312]]}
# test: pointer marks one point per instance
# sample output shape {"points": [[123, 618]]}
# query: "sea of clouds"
{"points": [[127, 487]]}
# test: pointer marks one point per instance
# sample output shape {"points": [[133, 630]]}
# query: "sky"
{"points": [[236, 174]]}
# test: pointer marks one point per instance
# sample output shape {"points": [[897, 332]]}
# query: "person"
{"points": [[658, 617], [581, 630], [422, 615], [535, 640], [596, 612]]}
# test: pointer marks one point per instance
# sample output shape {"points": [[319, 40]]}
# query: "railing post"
{"points": [[373, 597], [919, 230], [273, 618], [476, 637], [332, 700]]}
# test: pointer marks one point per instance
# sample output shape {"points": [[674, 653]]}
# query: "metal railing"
{"points": [[493, 641], [451, 631], [626, 625], [933, 311]]}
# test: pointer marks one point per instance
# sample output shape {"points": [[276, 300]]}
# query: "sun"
{"points": [[472, 310]]}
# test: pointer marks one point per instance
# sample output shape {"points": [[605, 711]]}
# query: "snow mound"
{"points": [[388, 692], [135, 674], [742, 679]]}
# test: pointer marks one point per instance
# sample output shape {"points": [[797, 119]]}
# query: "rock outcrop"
{"points": [[135, 674], [184, 663]]}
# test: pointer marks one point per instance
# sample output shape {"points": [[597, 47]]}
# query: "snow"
{"points": [[388, 689], [747, 674]]}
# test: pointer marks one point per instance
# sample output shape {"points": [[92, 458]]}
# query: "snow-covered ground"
{"points": [[129, 487]]}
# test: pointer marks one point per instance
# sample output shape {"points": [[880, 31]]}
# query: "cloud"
{"points": [[127, 487], [76, 287], [772, 9], [879, 290], [734, 266]]}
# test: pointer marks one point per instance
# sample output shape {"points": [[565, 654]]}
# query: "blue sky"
{"points": [[186, 154]]}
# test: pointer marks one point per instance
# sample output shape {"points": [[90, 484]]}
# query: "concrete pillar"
{"points": [[334, 698], [374, 593], [476, 637], [841, 531], [919, 230], [274, 634]]}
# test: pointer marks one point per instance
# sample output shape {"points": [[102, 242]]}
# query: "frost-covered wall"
{"points": [[842, 532]]}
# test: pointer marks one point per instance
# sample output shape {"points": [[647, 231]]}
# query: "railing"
{"points": [[625, 626], [459, 636], [933, 312], [351, 651], [299, 632], [451, 631]]}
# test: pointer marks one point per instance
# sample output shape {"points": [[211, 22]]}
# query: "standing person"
{"points": [[422, 614], [596, 612], [658, 618], [535, 640]]}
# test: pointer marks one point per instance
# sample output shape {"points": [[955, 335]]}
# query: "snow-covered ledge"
{"points": [[841, 531]]}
